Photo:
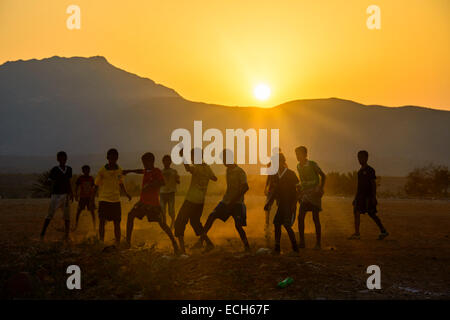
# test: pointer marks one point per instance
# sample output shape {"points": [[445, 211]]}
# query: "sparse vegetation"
{"points": [[42, 187], [428, 181], [341, 184]]}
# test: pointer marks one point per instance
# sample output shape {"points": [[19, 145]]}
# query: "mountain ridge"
{"points": [[87, 105], [102, 59]]}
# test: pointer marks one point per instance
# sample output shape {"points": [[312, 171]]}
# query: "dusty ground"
{"points": [[414, 259]]}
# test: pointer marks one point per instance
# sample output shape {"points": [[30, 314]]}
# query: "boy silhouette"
{"points": [[310, 188], [192, 208], [148, 204], [109, 183], [285, 194], [232, 204], [167, 191], [268, 192], [61, 193], [85, 185], [365, 198]]}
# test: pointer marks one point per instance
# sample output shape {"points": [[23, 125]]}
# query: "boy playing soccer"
{"points": [[192, 207], [61, 193], [285, 194], [312, 181], [85, 184], [167, 192], [232, 204], [109, 182], [365, 199], [148, 204]]}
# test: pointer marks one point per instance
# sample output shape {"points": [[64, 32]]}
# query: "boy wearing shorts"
{"points": [[232, 204], [285, 194], [167, 192], [192, 207], [366, 200], [85, 185], [148, 204], [109, 183], [61, 194], [312, 181]]}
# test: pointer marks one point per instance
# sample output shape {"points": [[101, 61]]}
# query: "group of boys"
{"points": [[159, 187]]}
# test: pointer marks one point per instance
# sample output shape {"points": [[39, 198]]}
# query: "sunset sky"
{"points": [[218, 51]]}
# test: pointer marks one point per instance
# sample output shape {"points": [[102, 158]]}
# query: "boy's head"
{"points": [[61, 157], [193, 150], [112, 155], [148, 160], [301, 153], [227, 157], [86, 169], [363, 156], [276, 150], [167, 161], [282, 160]]}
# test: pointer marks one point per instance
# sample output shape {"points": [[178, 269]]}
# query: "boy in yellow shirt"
{"points": [[109, 183]]}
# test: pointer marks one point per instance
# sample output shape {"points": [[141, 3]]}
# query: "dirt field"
{"points": [[414, 259]]}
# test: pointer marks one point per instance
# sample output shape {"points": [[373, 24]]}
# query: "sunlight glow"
{"points": [[262, 92]]}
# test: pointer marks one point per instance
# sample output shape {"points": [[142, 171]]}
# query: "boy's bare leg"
{"points": [[316, 220], [206, 227], [44, 228], [243, 236], [277, 229], [117, 231], [208, 224], [181, 242], [357, 222], [205, 238], [66, 229], [301, 228], [172, 221], [357, 219], [291, 235], [101, 229], [167, 230], [93, 218], [171, 211], [267, 226], [76, 219], [130, 223], [378, 222]]}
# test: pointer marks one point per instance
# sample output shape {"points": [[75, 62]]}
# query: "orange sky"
{"points": [[217, 51]]}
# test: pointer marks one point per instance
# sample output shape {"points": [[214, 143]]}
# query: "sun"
{"points": [[262, 92]]}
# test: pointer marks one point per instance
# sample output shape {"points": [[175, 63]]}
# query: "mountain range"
{"points": [[86, 105]]}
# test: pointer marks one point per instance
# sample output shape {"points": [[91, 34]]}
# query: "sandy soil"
{"points": [[414, 259]]}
